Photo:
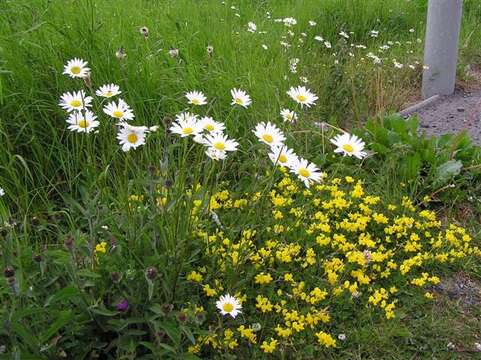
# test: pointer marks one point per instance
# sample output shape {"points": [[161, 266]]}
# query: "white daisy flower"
{"points": [[210, 125], [229, 305], [185, 116], [215, 154], [196, 98], [312, 23], [349, 145], [251, 27], [85, 122], [76, 68], [220, 142], [120, 110], [240, 97], [307, 173], [186, 125], [131, 137], [288, 115], [302, 96], [2, 192], [75, 101], [289, 21], [282, 156], [108, 90], [269, 134]]}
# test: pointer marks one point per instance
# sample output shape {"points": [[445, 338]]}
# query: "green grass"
{"points": [[61, 184]]}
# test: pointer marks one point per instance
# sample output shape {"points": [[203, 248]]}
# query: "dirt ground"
{"points": [[452, 114]]}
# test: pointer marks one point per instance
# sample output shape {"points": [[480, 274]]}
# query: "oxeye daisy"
{"points": [[349, 145], [131, 137], [240, 97], [186, 125], [229, 305], [120, 110], [196, 98], [82, 122], [220, 142], [76, 68], [2, 192], [269, 134], [215, 154], [75, 101], [306, 172], [108, 90], [210, 125], [283, 156], [302, 96], [288, 115]]}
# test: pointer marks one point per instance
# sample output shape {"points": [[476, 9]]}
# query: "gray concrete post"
{"points": [[441, 47]]}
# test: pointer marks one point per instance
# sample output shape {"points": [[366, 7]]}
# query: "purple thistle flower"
{"points": [[123, 305]]}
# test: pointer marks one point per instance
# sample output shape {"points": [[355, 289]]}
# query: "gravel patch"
{"points": [[453, 114]]}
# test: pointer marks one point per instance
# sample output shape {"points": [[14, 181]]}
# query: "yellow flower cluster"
{"points": [[301, 255]]}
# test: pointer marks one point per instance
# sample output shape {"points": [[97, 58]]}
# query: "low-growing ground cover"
{"points": [[188, 190]]}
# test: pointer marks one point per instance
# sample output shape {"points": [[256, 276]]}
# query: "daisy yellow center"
{"points": [[283, 158], [195, 101], [219, 146], [348, 148], [118, 113], [75, 103], [187, 130], [304, 172], [238, 101], [267, 138], [209, 127], [75, 70], [228, 307], [301, 98], [132, 138], [83, 123], [109, 93]]}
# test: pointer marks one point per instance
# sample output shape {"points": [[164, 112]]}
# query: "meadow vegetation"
{"points": [[227, 179]]}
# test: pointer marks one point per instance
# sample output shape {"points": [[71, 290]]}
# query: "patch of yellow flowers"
{"points": [[293, 256]]}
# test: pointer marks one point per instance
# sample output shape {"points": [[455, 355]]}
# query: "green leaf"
{"points": [[64, 294], [103, 311], [63, 319], [448, 170]]}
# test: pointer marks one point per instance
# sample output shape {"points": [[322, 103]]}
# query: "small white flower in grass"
{"points": [[196, 98], [282, 156], [306, 172], [210, 125], [302, 96], [120, 110], [240, 97], [186, 125], [349, 145], [108, 90], [288, 115], [82, 122], [131, 137], [2, 192], [251, 27], [229, 305], [318, 38], [312, 23], [264, 46], [269, 134], [76, 68], [327, 44], [75, 101], [289, 21], [215, 154], [344, 35], [220, 142]]}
